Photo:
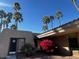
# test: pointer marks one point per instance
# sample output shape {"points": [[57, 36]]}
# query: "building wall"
{"points": [[76, 52], [7, 34], [78, 38], [63, 44]]}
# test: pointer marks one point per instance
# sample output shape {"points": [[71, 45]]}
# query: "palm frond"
{"points": [[13, 26], [46, 19], [17, 6], [58, 14]]}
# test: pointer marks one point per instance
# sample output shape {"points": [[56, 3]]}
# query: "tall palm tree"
{"points": [[51, 20], [58, 16], [17, 15], [75, 4], [46, 21], [2, 16], [7, 19], [4, 23], [18, 18]]}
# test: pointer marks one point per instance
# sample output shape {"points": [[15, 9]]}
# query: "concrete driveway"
{"points": [[54, 57]]}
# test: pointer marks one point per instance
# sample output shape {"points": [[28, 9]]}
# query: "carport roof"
{"points": [[67, 28]]}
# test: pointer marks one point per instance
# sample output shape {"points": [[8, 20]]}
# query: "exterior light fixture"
{"points": [[60, 31]]}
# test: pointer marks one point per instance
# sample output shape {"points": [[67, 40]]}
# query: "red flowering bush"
{"points": [[47, 45]]}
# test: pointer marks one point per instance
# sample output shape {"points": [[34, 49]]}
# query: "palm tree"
{"points": [[58, 15], [13, 27], [17, 15], [75, 4], [51, 20], [18, 18], [4, 23], [17, 6], [46, 21], [8, 18], [45, 27], [2, 16]]}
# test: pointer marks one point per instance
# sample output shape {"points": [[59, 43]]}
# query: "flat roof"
{"points": [[66, 28]]}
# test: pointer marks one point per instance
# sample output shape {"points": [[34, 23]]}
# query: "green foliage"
{"points": [[2, 14], [49, 19], [5, 18], [13, 27], [17, 6], [73, 0], [46, 19], [9, 16], [18, 16], [27, 49], [58, 14]]}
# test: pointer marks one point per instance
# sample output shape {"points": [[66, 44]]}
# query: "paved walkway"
{"points": [[46, 57], [11, 57], [54, 57]]}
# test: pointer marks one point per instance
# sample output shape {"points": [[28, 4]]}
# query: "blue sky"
{"points": [[34, 10]]}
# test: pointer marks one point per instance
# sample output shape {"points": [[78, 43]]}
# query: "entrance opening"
{"points": [[73, 43], [12, 46], [15, 45]]}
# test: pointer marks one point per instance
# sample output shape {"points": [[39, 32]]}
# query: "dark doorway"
{"points": [[12, 46], [73, 43], [15, 45]]}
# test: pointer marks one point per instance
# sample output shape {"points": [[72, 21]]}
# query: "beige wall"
{"points": [[7, 34]]}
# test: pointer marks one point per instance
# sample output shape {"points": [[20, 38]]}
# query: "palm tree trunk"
{"points": [[16, 23], [59, 22], [76, 5], [6, 25], [52, 24], [47, 26], [1, 20], [1, 25]]}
